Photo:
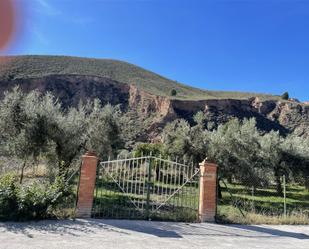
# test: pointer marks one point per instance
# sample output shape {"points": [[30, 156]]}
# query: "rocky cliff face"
{"points": [[70, 89]]}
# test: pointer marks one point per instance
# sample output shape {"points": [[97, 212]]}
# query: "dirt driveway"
{"points": [[115, 234]]}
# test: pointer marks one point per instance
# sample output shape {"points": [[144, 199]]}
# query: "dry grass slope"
{"points": [[31, 66]]}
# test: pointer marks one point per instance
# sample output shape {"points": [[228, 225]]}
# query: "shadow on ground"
{"points": [[82, 227], [273, 232]]}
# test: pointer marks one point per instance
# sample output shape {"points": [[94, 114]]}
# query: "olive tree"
{"points": [[235, 147], [297, 159], [23, 126], [181, 139], [103, 130], [67, 133], [35, 124]]}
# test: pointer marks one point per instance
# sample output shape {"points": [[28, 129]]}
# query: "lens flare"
{"points": [[7, 23]]}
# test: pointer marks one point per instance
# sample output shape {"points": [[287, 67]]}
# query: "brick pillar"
{"points": [[86, 185], [208, 192]]}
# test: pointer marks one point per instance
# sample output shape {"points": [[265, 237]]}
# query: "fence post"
{"points": [[86, 185], [284, 195], [208, 191], [252, 194]]}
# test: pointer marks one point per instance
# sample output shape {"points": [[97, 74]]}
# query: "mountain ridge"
{"points": [[40, 65], [153, 109]]}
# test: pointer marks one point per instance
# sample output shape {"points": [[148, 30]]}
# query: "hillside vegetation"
{"points": [[21, 67]]}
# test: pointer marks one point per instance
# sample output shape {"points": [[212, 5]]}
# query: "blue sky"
{"points": [[244, 45]]}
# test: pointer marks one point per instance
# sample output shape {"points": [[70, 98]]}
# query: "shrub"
{"points": [[8, 196], [156, 149], [173, 92], [33, 201], [285, 96], [37, 201]]}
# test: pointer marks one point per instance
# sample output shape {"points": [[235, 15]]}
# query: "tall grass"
{"points": [[233, 215]]}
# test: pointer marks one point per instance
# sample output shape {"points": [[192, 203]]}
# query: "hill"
{"points": [[146, 94], [23, 67]]}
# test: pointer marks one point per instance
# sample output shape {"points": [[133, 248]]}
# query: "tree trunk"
{"points": [[278, 184], [22, 172], [157, 173], [229, 179], [219, 191], [307, 182]]}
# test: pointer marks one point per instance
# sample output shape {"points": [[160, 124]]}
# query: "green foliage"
{"points": [[133, 128], [243, 153], [67, 136], [103, 134], [32, 201], [8, 197], [173, 92], [176, 137], [24, 125], [263, 205], [39, 66], [155, 149], [34, 124], [37, 201], [182, 140], [235, 147], [285, 96]]}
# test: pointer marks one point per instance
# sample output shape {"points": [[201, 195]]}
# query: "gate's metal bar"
{"points": [[127, 176], [154, 182], [147, 157], [170, 180], [191, 190], [135, 179], [148, 189], [183, 184], [166, 177], [122, 189], [140, 183], [178, 189], [159, 181], [110, 187], [100, 188], [151, 184], [174, 183], [179, 184], [143, 162], [132, 178], [152, 189]]}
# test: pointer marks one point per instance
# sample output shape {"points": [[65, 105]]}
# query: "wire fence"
{"points": [[277, 202], [42, 173], [67, 208]]}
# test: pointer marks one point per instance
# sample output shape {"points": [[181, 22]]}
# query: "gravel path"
{"points": [[90, 233]]}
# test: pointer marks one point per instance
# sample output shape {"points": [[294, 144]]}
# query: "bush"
{"points": [[145, 149], [173, 92], [33, 201], [8, 196], [37, 201], [285, 96]]}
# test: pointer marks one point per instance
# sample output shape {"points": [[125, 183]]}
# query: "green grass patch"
{"points": [[263, 205], [130, 201]]}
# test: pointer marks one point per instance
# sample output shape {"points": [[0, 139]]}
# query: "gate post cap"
{"points": [[90, 153], [207, 162]]}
